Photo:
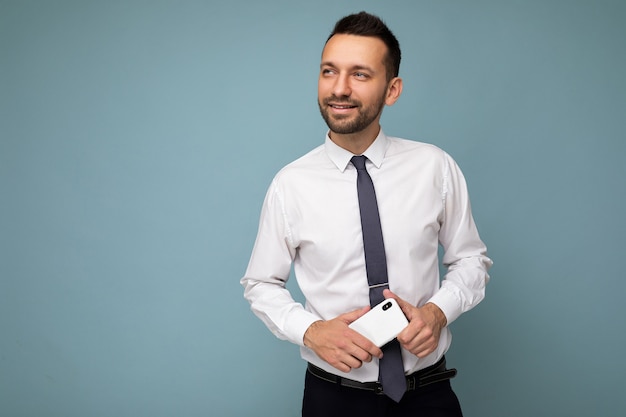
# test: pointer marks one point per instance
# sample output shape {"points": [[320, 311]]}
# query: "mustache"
{"points": [[341, 101]]}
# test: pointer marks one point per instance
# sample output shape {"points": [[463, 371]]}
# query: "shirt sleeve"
{"points": [[268, 271], [465, 255]]}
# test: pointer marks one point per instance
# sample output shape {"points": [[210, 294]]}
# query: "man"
{"points": [[312, 219]]}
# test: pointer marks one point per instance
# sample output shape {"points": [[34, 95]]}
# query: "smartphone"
{"points": [[382, 323]]}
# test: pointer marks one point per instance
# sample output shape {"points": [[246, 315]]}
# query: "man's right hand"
{"points": [[339, 345]]}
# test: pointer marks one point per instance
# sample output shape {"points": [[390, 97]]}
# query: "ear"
{"points": [[394, 89]]}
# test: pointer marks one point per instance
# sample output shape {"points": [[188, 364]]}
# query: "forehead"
{"points": [[352, 50]]}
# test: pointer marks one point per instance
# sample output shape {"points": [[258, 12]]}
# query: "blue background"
{"points": [[137, 142]]}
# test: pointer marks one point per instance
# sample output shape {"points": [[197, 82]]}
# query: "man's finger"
{"points": [[404, 305], [351, 316], [389, 294]]}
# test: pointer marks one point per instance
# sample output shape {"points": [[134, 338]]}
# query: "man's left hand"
{"points": [[421, 336]]}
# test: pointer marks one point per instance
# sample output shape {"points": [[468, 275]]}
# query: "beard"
{"points": [[349, 124]]}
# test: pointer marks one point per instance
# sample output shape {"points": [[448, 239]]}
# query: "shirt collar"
{"points": [[341, 157]]}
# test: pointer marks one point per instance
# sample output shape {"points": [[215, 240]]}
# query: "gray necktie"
{"points": [[391, 369]]}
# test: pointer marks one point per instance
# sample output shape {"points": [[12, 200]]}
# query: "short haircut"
{"points": [[365, 24]]}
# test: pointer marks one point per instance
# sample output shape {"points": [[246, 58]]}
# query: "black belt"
{"points": [[421, 378]]}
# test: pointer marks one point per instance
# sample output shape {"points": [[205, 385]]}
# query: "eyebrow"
{"points": [[353, 68]]}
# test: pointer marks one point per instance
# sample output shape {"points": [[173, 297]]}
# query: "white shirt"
{"points": [[310, 219]]}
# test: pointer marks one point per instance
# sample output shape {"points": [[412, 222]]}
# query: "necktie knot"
{"points": [[359, 162]]}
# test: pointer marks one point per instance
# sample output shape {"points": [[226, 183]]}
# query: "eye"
{"points": [[327, 71], [361, 75]]}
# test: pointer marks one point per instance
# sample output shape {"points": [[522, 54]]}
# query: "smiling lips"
{"points": [[338, 103], [341, 107]]}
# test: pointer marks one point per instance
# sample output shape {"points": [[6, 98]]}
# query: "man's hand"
{"points": [[421, 336], [339, 345]]}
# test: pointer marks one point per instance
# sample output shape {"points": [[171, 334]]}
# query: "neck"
{"points": [[357, 142]]}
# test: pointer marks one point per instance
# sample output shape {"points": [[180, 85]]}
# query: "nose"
{"points": [[341, 87]]}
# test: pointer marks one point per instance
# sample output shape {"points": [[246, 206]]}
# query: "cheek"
{"points": [[377, 97]]}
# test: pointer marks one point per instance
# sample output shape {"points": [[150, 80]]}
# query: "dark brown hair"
{"points": [[365, 24]]}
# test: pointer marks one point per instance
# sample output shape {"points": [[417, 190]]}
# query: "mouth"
{"points": [[341, 106], [341, 109], [338, 103]]}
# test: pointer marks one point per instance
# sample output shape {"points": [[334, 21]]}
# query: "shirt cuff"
{"points": [[299, 323], [449, 304]]}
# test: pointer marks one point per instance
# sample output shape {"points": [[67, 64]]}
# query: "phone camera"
{"points": [[386, 306]]}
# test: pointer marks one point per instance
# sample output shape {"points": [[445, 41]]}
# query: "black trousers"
{"points": [[328, 399]]}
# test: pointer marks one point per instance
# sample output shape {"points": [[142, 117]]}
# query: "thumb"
{"points": [[351, 316], [390, 294], [404, 305]]}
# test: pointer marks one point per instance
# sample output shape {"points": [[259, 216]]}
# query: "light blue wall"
{"points": [[137, 142]]}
